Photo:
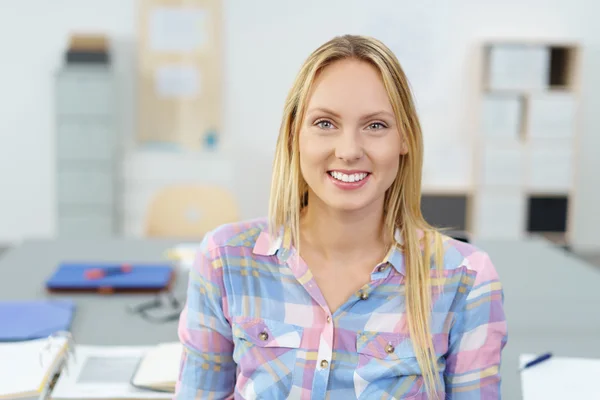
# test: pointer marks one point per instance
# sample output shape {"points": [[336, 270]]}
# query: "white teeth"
{"points": [[348, 178]]}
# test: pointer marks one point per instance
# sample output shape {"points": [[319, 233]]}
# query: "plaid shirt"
{"points": [[256, 326]]}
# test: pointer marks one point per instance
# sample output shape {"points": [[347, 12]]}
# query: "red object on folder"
{"points": [[99, 273]]}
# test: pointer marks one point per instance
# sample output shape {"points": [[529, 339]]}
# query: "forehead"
{"points": [[351, 86]]}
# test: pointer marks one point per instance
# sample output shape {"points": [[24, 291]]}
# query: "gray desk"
{"points": [[552, 303], [99, 319], [552, 299]]}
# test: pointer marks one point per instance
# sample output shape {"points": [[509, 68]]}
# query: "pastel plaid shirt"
{"points": [[256, 326]]}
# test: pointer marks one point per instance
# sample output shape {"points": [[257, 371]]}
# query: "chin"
{"points": [[347, 206]]}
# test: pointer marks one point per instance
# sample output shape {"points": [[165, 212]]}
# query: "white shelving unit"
{"points": [[526, 140]]}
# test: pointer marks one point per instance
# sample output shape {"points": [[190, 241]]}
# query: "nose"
{"points": [[349, 147]]}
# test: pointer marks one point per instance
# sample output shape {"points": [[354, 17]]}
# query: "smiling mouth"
{"points": [[348, 178]]}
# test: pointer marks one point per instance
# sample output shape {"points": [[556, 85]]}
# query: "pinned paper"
{"points": [[178, 29], [177, 81]]}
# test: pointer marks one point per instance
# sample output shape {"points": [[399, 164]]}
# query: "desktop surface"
{"points": [[551, 297]]}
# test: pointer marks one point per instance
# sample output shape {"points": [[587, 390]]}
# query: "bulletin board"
{"points": [[179, 73]]}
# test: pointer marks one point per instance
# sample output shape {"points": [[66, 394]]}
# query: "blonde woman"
{"points": [[345, 291]]}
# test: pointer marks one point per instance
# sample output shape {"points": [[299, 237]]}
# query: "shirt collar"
{"points": [[281, 246]]}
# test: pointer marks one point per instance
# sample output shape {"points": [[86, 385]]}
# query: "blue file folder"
{"points": [[146, 277], [34, 319]]}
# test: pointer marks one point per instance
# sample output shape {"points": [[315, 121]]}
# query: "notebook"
{"points": [[560, 378], [159, 368], [27, 368], [102, 373], [146, 278], [34, 319]]}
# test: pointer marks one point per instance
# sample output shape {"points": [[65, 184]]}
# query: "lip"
{"points": [[348, 185], [349, 171]]}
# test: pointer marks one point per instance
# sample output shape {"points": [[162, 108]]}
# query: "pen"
{"points": [[99, 273], [537, 360]]}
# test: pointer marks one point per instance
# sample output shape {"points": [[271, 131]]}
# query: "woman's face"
{"points": [[350, 145]]}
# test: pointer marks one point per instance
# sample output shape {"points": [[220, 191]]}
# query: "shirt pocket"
{"points": [[265, 351], [387, 367]]}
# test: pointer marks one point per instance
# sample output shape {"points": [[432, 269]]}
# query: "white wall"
{"points": [[265, 43]]}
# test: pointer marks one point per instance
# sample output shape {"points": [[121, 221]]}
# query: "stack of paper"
{"points": [[560, 378]]}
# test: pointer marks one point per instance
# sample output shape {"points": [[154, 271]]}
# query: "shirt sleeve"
{"points": [[477, 336], [207, 369]]}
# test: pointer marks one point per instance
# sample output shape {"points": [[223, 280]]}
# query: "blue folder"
{"points": [[146, 277], [34, 319]]}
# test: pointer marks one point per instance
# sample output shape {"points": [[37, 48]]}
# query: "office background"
{"points": [[263, 45], [507, 92]]}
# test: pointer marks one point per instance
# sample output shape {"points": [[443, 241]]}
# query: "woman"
{"points": [[345, 292]]}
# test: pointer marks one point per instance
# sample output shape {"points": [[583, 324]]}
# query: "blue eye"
{"points": [[324, 124], [376, 126]]}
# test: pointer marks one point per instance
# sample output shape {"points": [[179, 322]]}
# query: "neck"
{"points": [[339, 235]]}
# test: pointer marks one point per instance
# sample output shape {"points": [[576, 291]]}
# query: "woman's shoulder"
{"points": [[243, 233], [459, 254]]}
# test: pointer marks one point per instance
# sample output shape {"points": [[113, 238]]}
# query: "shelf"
{"points": [[525, 143]]}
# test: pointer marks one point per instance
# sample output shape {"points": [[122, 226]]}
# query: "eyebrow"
{"points": [[336, 115]]}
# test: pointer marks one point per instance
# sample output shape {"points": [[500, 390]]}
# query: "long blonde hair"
{"points": [[402, 200]]}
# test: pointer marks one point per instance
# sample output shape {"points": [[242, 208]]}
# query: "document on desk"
{"points": [[560, 378], [103, 372]]}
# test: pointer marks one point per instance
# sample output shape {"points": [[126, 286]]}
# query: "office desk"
{"points": [[552, 303], [552, 299], [99, 319]]}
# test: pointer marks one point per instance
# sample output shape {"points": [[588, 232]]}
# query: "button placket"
{"points": [[325, 351]]}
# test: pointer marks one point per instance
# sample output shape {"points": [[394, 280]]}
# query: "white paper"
{"points": [[21, 368], [518, 67], [501, 116], [500, 214], [551, 166], [160, 366], [184, 254], [177, 81], [560, 378], [503, 165], [178, 29], [103, 372], [552, 116]]}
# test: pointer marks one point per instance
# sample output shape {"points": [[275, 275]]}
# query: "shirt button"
{"points": [[382, 268], [389, 349], [364, 296], [263, 336], [328, 319], [324, 364]]}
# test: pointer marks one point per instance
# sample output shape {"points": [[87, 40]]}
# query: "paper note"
{"points": [[178, 29], [177, 81]]}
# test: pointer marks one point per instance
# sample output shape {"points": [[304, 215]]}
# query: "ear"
{"points": [[403, 147]]}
